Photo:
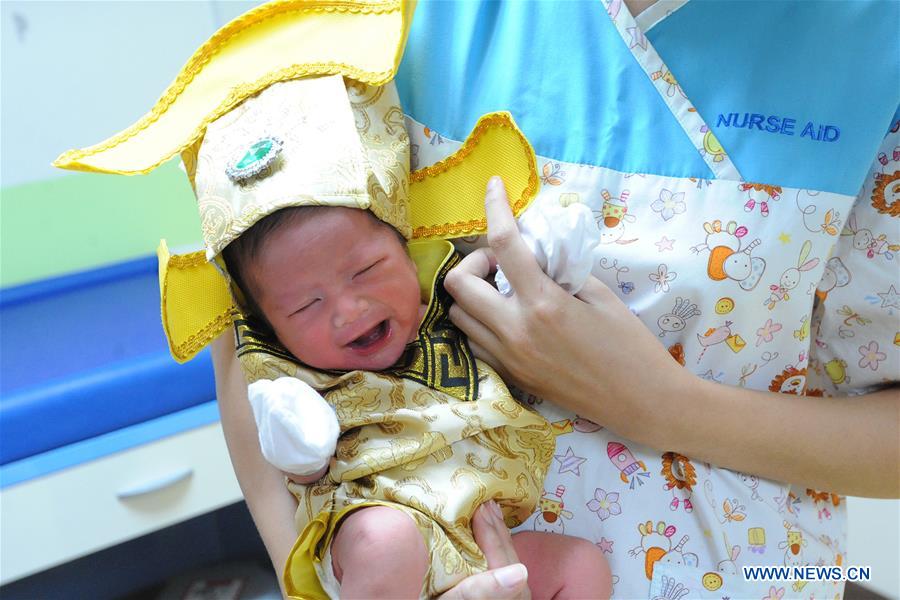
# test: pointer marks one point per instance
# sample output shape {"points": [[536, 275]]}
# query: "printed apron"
{"points": [[727, 274]]}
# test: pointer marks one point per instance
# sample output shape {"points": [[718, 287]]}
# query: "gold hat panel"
{"points": [[446, 201], [277, 41], [342, 144]]}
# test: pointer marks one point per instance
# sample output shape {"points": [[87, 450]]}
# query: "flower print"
{"points": [[871, 357], [774, 593], [767, 332], [662, 277], [626, 286], [668, 204], [605, 504]]}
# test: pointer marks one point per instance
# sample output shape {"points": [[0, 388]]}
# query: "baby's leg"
{"points": [[378, 552], [561, 566]]}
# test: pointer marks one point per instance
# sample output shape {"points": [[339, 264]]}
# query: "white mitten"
{"points": [[562, 239], [298, 430]]}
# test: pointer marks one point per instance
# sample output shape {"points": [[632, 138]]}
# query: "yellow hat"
{"points": [[320, 141], [292, 104]]}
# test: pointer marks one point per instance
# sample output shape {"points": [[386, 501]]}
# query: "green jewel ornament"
{"points": [[257, 157]]}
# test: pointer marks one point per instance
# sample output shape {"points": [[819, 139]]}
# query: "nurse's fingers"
{"points": [[478, 333], [506, 583], [480, 263], [507, 579], [521, 269], [473, 295], [482, 354]]}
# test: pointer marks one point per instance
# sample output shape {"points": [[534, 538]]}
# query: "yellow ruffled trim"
{"points": [[195, 303], [75, 159], [457, 184]]}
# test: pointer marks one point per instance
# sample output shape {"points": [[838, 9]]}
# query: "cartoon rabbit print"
{"points": [[865, 241], [790, 279]]}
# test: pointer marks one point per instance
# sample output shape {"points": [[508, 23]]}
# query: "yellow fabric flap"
{"points": [[281, 40], [447, 199], [195, 301]]}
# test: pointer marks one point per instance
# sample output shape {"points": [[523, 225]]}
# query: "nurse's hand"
{"points": [[588, 352], [507, 578]]}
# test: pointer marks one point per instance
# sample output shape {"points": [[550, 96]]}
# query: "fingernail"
{"points": [[511, 576], [495, 508], [495, 182]]}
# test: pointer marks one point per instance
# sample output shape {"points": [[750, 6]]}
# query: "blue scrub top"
{"points": [[580, 96]]}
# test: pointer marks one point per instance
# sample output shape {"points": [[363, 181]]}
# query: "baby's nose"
{"points": [[349, 310]]}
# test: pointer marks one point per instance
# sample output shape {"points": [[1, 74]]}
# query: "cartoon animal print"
{"points": [[792, 546], [680, 477], [790, 381], [579, 424], [836, 369], [790, 279], [677, 555], [835, 275], [713, 336], [656, 542], [886, 193], [769, 192], [551, 512], [865, 241], [821, 500], [631, 470], [712, 147], [728, 257], [672, 85], [729, 565], [613, 216], [676, 319], [752, 482]]}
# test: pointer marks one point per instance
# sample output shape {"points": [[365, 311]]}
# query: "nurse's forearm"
{"points": [[846, 445], [268, 500]]}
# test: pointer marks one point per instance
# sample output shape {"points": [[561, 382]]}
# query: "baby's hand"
{"points": [[307, 479], [298, 430], [562, 240]]}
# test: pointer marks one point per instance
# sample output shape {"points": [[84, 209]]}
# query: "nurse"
{"points": [[749, 279]]}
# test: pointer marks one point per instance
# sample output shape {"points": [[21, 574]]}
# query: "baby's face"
{"points": [[339, 290]]}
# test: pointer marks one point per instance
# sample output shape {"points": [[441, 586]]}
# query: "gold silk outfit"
{"points": [[439, 433], [435, 436]]}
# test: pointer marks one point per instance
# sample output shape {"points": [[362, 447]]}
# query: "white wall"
{"points": [[873, 539], [77, 72]]}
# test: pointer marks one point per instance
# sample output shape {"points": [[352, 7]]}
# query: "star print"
{"points": [[890, 298], [569, 462], [637, 38], [664, 244], [605, 545], [784, 238]]}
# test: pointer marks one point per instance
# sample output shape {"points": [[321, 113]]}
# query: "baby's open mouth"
{"points": [[372, 337]]}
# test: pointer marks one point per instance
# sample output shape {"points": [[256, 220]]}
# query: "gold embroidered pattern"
{"points": [[213, 46]]}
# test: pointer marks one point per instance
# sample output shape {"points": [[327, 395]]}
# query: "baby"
{"points": [[341, 293]]}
